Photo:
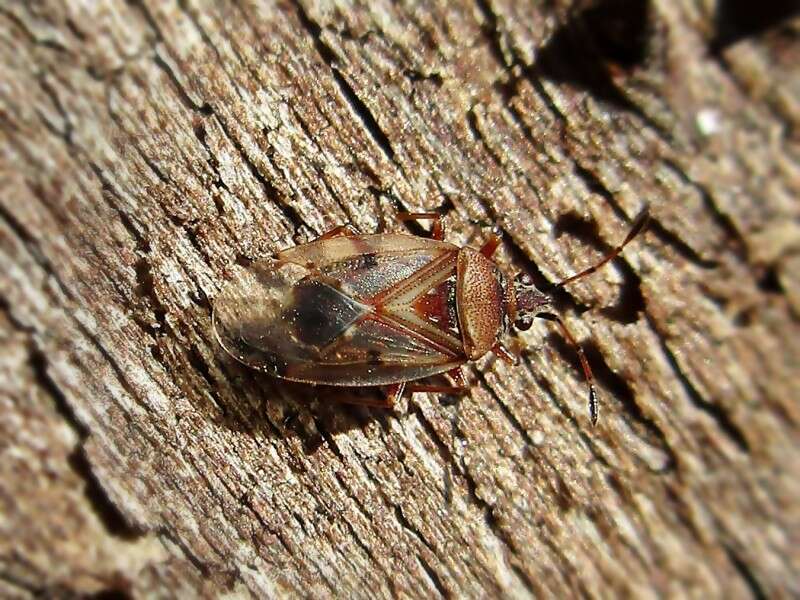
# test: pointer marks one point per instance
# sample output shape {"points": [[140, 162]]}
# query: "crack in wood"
{"points": [[746, 573], [358, 106], [718, 413], [725, 222]]}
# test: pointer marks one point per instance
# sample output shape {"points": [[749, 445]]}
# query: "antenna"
{"points": [[638, 224]]}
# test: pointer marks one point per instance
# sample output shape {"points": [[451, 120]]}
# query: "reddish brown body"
{"points": [[382, 309]]}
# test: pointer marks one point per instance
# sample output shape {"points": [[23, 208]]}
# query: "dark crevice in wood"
{"points": [[357, 501], [535, 590], [716, 412], [200, 366], [198, 564], [38, 363], [617, 99], [534, 78], [357, 104], [361, 544], [681, 511], [278, 535], [109, 515], [25, 584], [619, 31], [110, 594], [66, 134], [190, 232], [29, 35], [722, 220], [364, 113], [185, 9], [506, 410], [322, 176], [316, 33], [204, 109], [586, 50], [145, 289], [32, 244], [75, 30], [744, 570], [684, 250], [5, 309], [512, 418], [437, 582], [597, 49], [493, 33], [290, 213], [447, 458], [736, 20], [134, 227], [414, 75], [475, 129], [21, 232], [406, 524], [769, 282]]}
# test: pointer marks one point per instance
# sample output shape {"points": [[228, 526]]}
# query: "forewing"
{"points": [[277, 315], [312, 313], [313, 325], [373, 352], [323, 253]]}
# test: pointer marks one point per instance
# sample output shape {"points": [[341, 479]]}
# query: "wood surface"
{"points": [[148, 149]]}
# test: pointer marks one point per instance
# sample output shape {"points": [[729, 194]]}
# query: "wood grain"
{"points": [[146, 148]]}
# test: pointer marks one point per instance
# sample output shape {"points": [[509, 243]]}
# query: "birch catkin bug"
{"points": [[383, 310]]}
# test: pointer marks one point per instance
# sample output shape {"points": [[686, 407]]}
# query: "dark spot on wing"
{"points": [[320, 312], [374, 358], [369, 260]]}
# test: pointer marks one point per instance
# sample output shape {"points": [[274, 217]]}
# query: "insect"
{"points": [[385, 309]]}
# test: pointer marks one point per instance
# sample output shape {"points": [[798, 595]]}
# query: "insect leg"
{"points": [[440, 389], [587, 370], [347, 396], [437, 232], [457, 375], [510, 356], [490, 245], [338, 231], [395, 392]]}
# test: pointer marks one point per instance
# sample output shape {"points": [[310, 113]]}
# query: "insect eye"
{"points": [[523, 324]]}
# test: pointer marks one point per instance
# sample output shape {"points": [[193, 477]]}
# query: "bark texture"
{"points": [[146, 148]]}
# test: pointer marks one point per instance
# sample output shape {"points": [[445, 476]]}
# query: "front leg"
{"points": [[338, 231], [437, 230]]}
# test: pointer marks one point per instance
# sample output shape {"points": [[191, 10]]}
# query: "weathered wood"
{"points": [[146, 148]]}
